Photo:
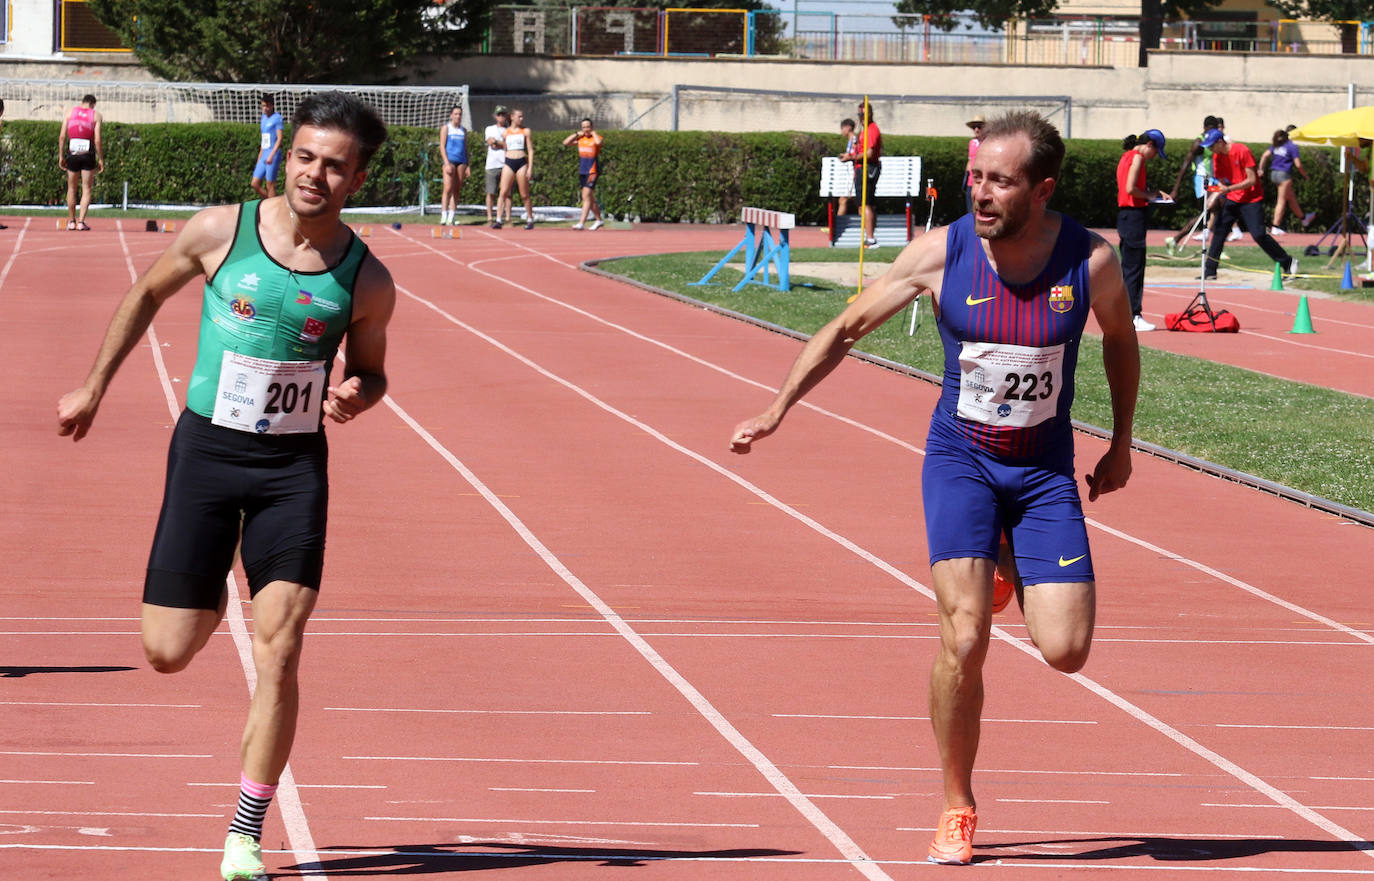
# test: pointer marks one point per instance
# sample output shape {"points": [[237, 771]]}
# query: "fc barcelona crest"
{"points": [[1061, 298]]}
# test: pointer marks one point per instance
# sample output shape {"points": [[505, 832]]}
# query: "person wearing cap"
{"points": [[495, 136], [1241, 198], [976, 124], [1199, 163], [1132, 214]]}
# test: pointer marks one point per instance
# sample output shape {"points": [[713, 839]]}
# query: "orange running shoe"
{"points": [[953, 844]]}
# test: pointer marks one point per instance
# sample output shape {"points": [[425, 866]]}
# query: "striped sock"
{"points": [[254, 799]]}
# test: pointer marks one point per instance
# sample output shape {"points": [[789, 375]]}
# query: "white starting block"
{"points": [[900, 178], [762, 252]]}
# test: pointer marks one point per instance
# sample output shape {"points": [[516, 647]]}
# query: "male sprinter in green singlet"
{"points": [[286, 281]]}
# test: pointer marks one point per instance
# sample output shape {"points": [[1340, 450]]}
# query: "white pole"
{"points": [[126, 195]]}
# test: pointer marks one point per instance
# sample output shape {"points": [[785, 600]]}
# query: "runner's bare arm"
{"points": [[1121, 360], [364, 383], [917, 270], [197, 250]]}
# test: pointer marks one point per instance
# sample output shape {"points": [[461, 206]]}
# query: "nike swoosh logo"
{"points": [[974, 302], [1063, 562]]}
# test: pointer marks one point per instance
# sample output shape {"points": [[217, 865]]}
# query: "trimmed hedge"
{"points": [[701, 177]]}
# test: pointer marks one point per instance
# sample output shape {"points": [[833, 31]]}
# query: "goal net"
{"points": [[144, 102]]}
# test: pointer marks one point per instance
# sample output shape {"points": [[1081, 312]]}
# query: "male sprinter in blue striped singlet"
{"points": [[286, 283], [1012, 284]]}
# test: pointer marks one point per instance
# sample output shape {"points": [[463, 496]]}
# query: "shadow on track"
{"points": [[20, 672], [435, 859], [1161, 849]]}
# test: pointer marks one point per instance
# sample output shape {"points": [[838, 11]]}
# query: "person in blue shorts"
{"points": [[270, 127], [453, 145], [1013, 284]]}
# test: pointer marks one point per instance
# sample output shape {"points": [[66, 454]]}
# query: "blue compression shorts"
{"points": [[971, 497], [265, 170]]}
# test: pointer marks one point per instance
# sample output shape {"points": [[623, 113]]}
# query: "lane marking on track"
{"points": [[505, 821], [1138, 713], [1178, 558], [832, 832], [50, 782], [927, 719], [107, 755], [1054, 801], [516, 761], [107, 814], [288, 797], [1064, 772], [534, 789], [84, 704], [14, 252], [779, 795], [1270, 807], [306, 785], [492, 712]]}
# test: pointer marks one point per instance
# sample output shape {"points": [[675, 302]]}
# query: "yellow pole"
{"points": [[863, 200]]}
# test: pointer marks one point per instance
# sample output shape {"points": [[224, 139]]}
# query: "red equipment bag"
{"points": [[1201, 321]]}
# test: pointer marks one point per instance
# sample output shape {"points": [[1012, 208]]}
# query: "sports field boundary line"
{"points": [[1256, 783], [1231, 475]]}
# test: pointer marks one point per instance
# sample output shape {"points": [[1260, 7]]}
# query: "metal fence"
{"points": [[834, 36]]}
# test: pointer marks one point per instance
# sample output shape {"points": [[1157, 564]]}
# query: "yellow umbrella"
{"points": [[1343, 129]]}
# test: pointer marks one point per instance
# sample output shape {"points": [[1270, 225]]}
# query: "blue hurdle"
{"points": [[762, 252]]}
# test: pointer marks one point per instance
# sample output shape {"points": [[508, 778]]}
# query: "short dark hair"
{"points": [[848, 122], [88, 99], [1047, 147], [1210, 122], [343, 112], [269, 101]]}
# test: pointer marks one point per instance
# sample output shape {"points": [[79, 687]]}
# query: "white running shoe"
{"points": [[1276, 231], [596, 224], [1292, 267], [1200, 235], [1308, 218], [870, 243], [1141, 325], [1171, 247], [242, 859], [577, 226], [1234, 235]]}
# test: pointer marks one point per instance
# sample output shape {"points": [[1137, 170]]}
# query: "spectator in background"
{"points": [[519, 144], [1282, 157], [589, 143], [976, 124], [80, 154], [870, 148], [453, 146], [1198, 162], [1132, 214], [270, 128], [851, 147], [1241, 198], [495, 137]]}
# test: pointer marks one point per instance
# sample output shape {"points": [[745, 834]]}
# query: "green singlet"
{"points": [[256, 307]]}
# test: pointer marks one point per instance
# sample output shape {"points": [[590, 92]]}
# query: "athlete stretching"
{"points": [[285, 283], [1012, 284]]}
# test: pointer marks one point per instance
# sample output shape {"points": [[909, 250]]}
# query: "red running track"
{"points": [[564, 631]]}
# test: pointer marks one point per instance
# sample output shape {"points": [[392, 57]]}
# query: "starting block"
{"points": [[362, 231], [445, 232], [169, 226], [762, 252]]}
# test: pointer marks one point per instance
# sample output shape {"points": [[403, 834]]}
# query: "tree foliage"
{"points": [[291, 41], [996, 13], [1346, 14]]}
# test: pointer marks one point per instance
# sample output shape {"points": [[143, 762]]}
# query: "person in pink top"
{"points": [[80, 154]]}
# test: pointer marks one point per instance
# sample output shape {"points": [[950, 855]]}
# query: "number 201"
{"points": [[1031, 381], [284, 398]]}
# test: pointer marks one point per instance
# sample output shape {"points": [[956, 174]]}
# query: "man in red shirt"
{"points": [[870, 147], [1234, 165]]}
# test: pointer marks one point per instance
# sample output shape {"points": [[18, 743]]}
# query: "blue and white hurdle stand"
{"points": [[765, 249]]}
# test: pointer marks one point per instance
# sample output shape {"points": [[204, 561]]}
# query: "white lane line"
{"points": [[515, 761], [1058, 772], [106, 814], [305, 785], [493, 712], [531, 822], [1271, 807], [106, 755], [1297, 727], [534, 789], [779, 795], [927, 719], [14, 252], [1053, 801], [1106, 694], [85, 704], [51, 782], [1179, 558], [288, 797], [837, 836]]}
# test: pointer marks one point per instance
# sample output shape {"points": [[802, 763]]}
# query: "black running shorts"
{"points": [[274, 488]]}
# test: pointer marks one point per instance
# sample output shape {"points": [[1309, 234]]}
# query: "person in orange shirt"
{"points": [[589, 143]]}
